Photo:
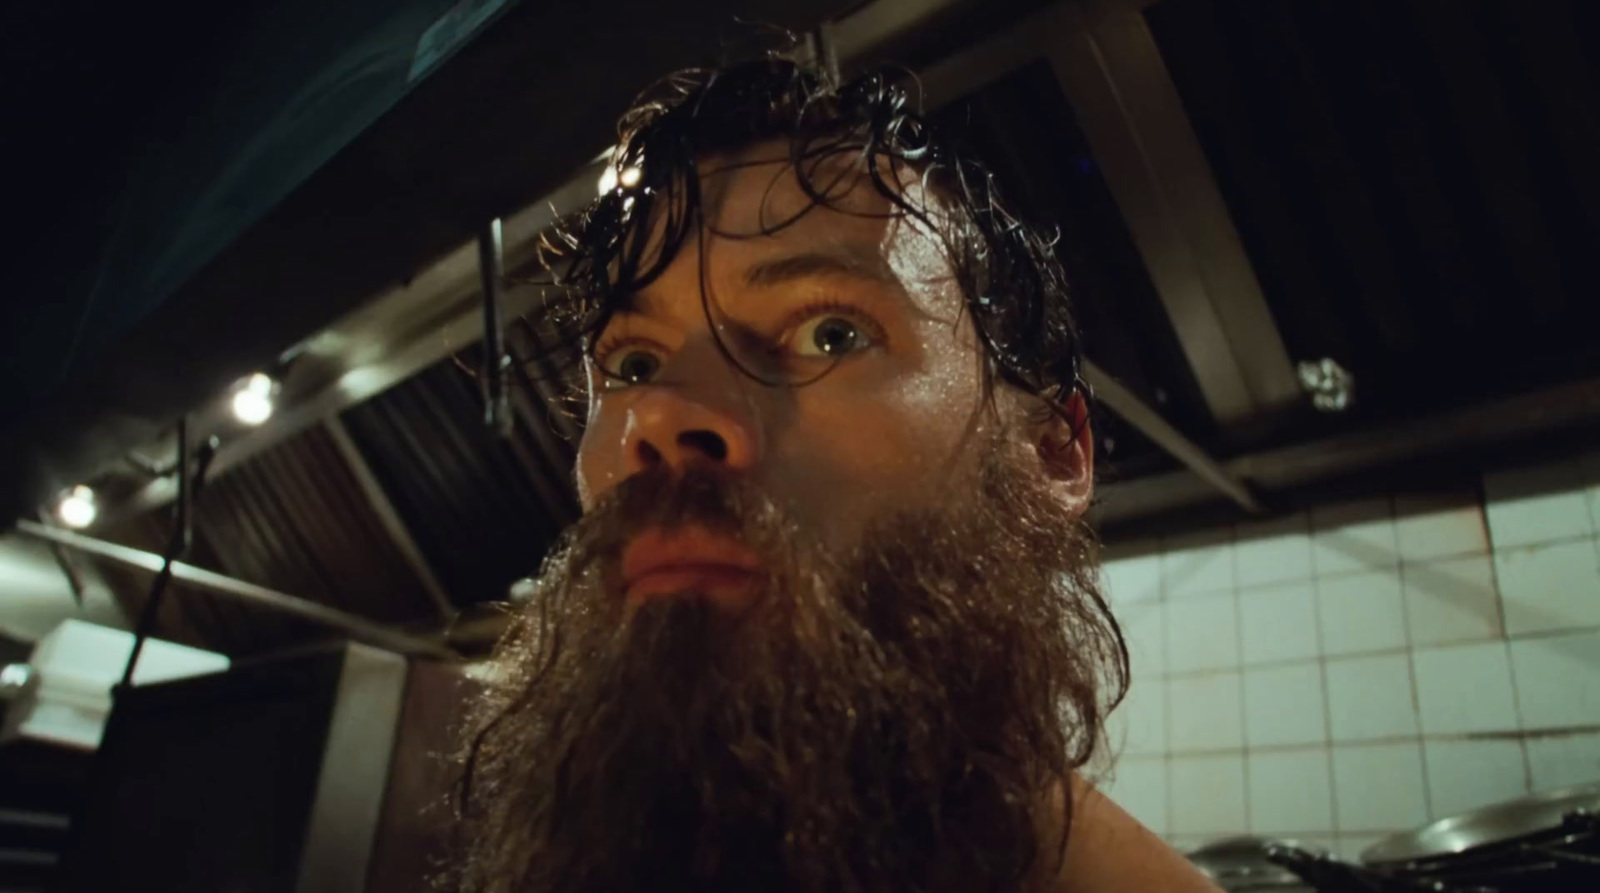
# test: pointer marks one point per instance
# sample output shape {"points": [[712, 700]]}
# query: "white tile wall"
{"points": [[1537, 504], [1275, 551], [1207, 794], [1353, 537], [1202, 633], [1561, 761], [1197, 564], [1144, 628], [1557, 680], [1207, 713], [1278, 623], [1361, 612], [1451, 600], [1358, 669], [1284, 705], [1132, 580], [1378, 787], [1439, 525], [1291, 792], [1370, 698], [1555, 586], [1139, 785], [1464, 775], [1465, 688], [1139, 724], [1591, 477]]}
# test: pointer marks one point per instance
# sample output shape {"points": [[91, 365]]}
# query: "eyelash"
{"points": [[874, 330]]}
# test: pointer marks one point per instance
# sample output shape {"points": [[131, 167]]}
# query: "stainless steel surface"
{"points": [[356, 627], [1477, 426], [1242, 863], [389, 517], [348, 804], [1493, 824], [1140, 415], [401, 332]]}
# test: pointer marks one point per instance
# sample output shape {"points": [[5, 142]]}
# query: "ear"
{"points": [[1066, 452]]}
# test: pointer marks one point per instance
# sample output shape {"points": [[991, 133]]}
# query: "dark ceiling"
{"points": [[1415, 182]]}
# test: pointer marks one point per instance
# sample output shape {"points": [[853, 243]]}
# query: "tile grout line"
{"points": [[1327, 702], [1387, 652], [1416, 694], [1238, 643], [1166, 693]]}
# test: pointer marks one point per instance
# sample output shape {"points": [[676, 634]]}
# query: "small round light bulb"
{"points": [[77, 508]]}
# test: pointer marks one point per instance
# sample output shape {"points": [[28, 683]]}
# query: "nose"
{"points": [[670, 427]]}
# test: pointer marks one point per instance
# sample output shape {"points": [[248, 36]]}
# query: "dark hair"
{"points": [[1012, 282]]}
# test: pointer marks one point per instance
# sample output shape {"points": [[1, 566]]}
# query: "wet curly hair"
{"points": [[1013, 284]]}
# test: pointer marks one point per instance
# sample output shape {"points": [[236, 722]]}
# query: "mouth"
{"points": [[689, 561]]}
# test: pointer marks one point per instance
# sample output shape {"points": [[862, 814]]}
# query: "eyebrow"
{"points": [[859, 262], [854, 262]]}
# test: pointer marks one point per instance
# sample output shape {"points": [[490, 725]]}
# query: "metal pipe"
{"points": [[357, 627], [491, 254], [1459, 432], [1140, 415]]}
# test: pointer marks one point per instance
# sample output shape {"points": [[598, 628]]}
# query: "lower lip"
{"points": [[715, 581]]}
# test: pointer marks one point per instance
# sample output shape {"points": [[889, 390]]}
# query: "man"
{"points": [[830, 621]]}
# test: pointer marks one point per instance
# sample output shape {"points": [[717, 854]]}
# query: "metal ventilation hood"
{"points": [[205, 186]]}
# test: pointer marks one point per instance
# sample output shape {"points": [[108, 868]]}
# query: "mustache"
{"points": [[660, 498]]}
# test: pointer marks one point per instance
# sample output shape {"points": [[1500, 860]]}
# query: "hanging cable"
{"points": [[179, 543], [496, 407]]}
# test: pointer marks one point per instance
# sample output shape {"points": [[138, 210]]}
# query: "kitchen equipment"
{"points": [[1544, 842], [1255, 864], [1491, 825]]}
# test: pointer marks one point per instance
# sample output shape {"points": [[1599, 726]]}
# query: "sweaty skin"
{"points": [[866, 301]]}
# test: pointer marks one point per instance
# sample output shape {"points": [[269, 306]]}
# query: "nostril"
{"points": [[649, 456], [709, 443]]}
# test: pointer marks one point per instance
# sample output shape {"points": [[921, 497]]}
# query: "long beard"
{"points": [[887, 720]]}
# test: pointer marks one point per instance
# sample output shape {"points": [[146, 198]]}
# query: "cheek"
{"points": [[879, 442], [599, 465]]}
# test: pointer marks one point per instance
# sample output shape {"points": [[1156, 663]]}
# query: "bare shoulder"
{"points": [[1109, 851]]}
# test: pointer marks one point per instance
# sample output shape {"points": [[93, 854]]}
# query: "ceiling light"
{"points": [[630, 177], [252, 402], [77, 507], [1331, 386]]}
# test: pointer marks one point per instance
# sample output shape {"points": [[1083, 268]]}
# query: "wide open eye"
{"points": [[829, 334], [631, 364]]}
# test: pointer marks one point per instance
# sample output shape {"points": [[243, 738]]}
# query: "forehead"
{"points": [[759, 189], [758, 205]]}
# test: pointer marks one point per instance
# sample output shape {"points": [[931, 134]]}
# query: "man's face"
{"points": [[829, 621], [855, 297]]}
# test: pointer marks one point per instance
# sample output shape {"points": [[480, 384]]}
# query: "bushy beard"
{"points": [[888, 720]]}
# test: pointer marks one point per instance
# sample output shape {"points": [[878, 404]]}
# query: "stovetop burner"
{"points": [[1564, 859]]}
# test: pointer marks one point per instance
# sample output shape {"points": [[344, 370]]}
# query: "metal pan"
{"points": [[1491, 825], [1245, 864]]}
